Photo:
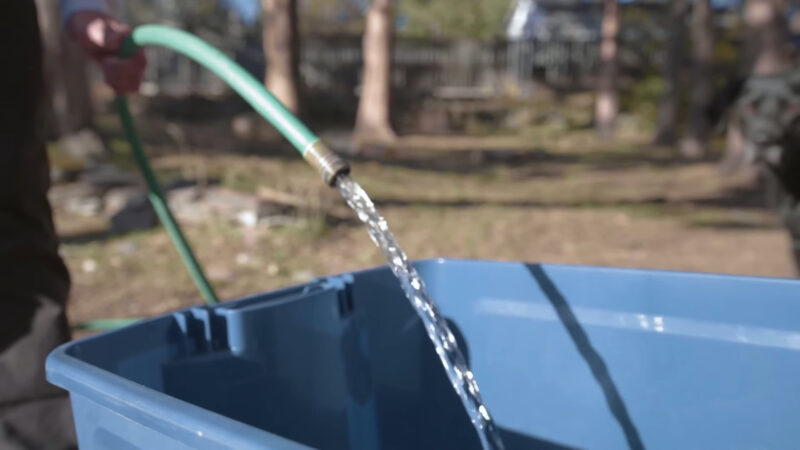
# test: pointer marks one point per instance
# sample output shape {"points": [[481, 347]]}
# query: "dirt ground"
{"points": [[540, 196]]}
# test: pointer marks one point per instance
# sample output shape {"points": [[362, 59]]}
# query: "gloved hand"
{"points": [[101, 36]]}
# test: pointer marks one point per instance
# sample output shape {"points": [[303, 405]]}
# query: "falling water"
{"points": [[438, 331]]}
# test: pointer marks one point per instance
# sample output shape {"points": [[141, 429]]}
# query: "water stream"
{"points": [[452, 359]]}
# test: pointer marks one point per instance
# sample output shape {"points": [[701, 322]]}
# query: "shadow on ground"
{"points": [[470, 160]]}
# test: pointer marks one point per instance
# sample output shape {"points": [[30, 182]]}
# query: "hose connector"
{"points": [[325, 161]]}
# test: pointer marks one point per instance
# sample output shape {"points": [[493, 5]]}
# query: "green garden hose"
{"points": [[160, 205], [306, 142], [104, 324]]}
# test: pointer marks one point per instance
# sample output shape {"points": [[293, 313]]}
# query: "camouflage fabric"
{"points": [[770, 119]]}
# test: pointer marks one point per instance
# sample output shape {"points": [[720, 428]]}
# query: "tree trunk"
{"points": [[281, 47], [695, 142], [767, 44], [374, 106], [667, 131], [65, 75], [607, 102], [735, 157]]}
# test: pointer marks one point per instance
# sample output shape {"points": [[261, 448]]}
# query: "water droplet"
{"points": [[484, 412]]}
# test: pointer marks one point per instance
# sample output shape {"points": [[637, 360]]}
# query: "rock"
{"points": [[130, 210], [76, 198], [84, 146], [107, 176], [134, 218], [195, 205], [116, 199], [186, 205], [230, 204], [192, 205], [83, 206]]}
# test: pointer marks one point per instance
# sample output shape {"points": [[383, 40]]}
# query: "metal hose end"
{"points": [[326, 162]]}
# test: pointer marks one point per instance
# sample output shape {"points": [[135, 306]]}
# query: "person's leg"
{"points": [[33, 280]]}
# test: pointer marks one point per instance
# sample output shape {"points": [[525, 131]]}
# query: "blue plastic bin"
{"points": [[566, 356]]}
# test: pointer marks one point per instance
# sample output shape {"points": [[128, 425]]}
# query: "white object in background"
{"points": [[520, 16]]}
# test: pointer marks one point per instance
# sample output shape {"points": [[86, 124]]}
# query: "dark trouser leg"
{"points": [[33, 280]]}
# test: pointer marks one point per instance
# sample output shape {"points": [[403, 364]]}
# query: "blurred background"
{"points": [[563, 131]]}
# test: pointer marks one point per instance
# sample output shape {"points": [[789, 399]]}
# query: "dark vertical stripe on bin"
{"points": [[589, 354]]}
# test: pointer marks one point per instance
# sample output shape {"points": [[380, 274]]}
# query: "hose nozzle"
{"points": [[327, 163]]}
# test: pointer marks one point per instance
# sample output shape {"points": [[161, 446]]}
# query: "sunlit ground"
{"points": [[549, 194]]}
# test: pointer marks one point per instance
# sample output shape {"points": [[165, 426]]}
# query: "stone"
{"points": [[117, 198], [76, 198], [84, 146], [192, 205], [130, 210], [84, 206], [107, 176]]}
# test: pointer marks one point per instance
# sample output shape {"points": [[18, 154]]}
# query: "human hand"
{"points": [[101, 37]]}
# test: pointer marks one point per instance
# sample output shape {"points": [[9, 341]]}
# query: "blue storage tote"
{"points": [[566, 356]]}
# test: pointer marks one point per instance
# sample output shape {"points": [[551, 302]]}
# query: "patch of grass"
{"points": [[730, 219], [60, 159], [119, 146], [650, 210], [238, 180], [120, 155], [643, 97], [312, 227], [107, 122]]}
